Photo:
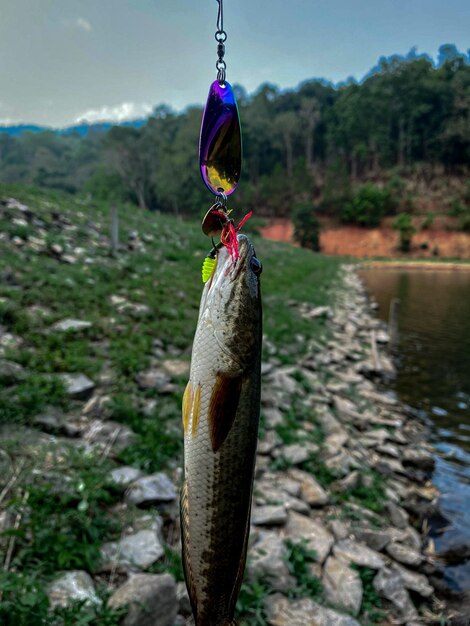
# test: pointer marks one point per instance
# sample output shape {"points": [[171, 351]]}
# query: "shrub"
{"points": [[428, 221], [404, 225], [369, 205], [306, 226]]}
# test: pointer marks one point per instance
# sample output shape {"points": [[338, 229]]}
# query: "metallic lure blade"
{"points": [[220, 144]]}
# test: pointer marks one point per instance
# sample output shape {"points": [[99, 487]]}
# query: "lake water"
{"points": [[434, 377]]}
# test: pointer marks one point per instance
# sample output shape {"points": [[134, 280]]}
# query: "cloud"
{"points": [[79, 22], [118, 113], [84, 24]]}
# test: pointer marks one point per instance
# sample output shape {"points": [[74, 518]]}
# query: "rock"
{"points": [[331, 426], [297, 453], [275, 495], [155, 379], [71, 325], [118, 435], [346, 410], [176, 368], [317, 537], [398, 516], [73, 586], [389, 450], [269, 515], [339, 529], [303, 612], [272, 416], [379, 434], [382, 336], [52, 420], [342, 585], [414, 581], [387, 467], [11, 372], [388, 583], [267, 558], [8, 341], [151, 599], [311, 491], [417, 457], [341, 463], [97, 406], [319, 311], [184, 604], [15, 205], [56, 249], [335, 442], [404, 554], [455, 554], [270, 441], [151, 489], [125, 475], [139, 550], [375, 539], [78, 386], [285, 483], [347, 483], [358, 553], [281, 378]]}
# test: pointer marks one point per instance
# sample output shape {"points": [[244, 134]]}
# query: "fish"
{"points": [[221, 406]]}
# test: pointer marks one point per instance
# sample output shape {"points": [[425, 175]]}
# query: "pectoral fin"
{"points": [[223, 408]]}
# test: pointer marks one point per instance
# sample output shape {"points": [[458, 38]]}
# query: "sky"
{"points": [[64, 61]]}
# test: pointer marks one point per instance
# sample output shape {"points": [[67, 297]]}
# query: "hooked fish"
{"points": [[220, 418]]}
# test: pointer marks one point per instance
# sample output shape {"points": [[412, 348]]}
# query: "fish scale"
{"points": [[220, 437]]}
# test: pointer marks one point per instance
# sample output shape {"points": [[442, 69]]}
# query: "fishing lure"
{"points": [[220, 150], [209, 265]]}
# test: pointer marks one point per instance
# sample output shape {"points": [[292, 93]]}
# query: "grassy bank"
{"points": [[142, 304]]}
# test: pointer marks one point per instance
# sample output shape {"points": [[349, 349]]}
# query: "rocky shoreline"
{"points": [[368, 434]]}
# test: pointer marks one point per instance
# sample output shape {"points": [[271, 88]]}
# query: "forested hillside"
{"points": [[409, 119]]}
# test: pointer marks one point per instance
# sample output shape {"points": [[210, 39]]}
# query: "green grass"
{"points": [[299, 562], [25, 603], [251, 604], [159, 443], [67, 519], [64, 518], [371, 496], [371, 608]]}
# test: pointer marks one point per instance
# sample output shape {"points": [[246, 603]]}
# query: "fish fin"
{"points": [[196, 410], [223, 408], [187, 403], [188, 574]]}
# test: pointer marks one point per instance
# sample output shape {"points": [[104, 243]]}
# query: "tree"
{"points": [[287, 125], [310, 113], [129, 155], [306, 226]]}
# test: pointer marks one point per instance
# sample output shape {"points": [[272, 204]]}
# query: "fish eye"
{"points": [[256, 266]]}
